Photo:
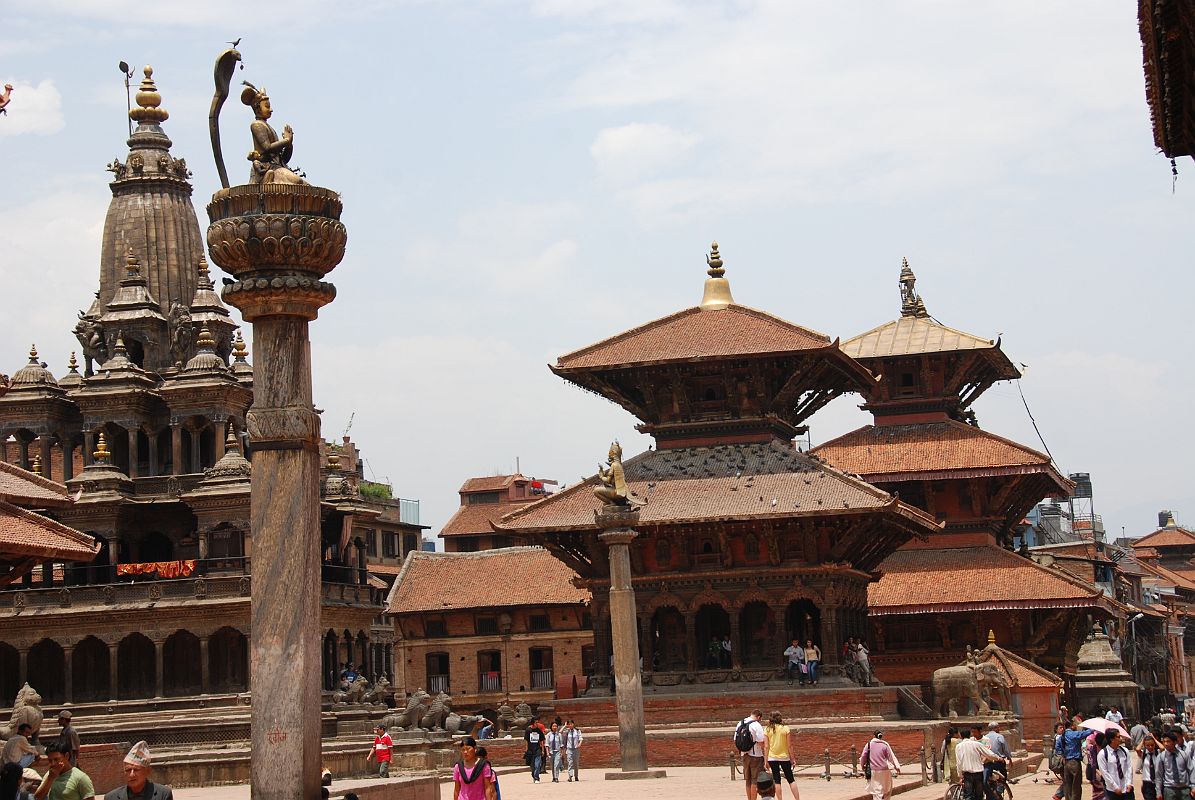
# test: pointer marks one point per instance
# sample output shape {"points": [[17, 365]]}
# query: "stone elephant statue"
{"points": [[952, 684], [994, 686]]}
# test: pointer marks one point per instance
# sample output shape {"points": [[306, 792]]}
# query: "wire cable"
{"points": [[1037, 430]]}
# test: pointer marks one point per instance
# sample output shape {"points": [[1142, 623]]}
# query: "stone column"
{"points": [[68, 671], [47, 462], [88, 447], [159, 672], [153, 452], [176, 448], [22, 664], [196, 437], [133, 472], [67, 442], [831, 641], [278, 288], [694, 657], [113, 659], [221, 430], [618, 534], [736, 642], [205, 669], [648, 643]]}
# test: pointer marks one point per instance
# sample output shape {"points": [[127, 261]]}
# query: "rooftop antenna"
{"points": [[349, 427], [518, 469], [127, 71]]}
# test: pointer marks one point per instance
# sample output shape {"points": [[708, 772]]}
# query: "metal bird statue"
{"points": [[226, 64]]}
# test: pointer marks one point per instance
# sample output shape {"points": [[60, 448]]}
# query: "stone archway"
{"points": [[46, 668], [228, 659], [90, 678], [181, 661], [711, 626], [803, 621], [135, 659], [757, 631], [669, 639]]}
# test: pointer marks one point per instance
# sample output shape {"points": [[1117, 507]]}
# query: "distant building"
{"points": [[485, 500]]}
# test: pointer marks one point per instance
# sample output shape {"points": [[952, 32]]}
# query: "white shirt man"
{"points": [[1114, 715], [753, 759], [1115, 765]]}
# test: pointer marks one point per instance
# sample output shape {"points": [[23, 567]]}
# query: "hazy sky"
{"points": [[524, 178]]}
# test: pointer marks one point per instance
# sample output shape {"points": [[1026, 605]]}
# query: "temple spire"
{"points": [[910, 301], [149, 103], [717, 287]]}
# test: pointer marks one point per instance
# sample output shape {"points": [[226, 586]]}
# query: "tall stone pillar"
{"points": [[205, 667], [68, 671], [22, 663], [113, 662], [159, 671], [134, 472], [176, 448], [618, 534], [278, 241]]}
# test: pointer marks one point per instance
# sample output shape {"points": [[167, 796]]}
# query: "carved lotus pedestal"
{"points": [[279, 241]]}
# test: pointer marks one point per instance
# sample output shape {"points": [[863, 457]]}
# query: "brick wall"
{"points": [[104, 764]]}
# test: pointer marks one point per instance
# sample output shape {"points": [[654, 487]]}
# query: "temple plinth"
{"points": [[278, 241]]}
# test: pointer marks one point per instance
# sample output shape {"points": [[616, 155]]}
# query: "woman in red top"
{"points": [[472, 778]]}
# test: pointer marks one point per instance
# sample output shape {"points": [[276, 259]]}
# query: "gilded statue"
{"points": [[271, 152], [5, 97], [613, 489]]}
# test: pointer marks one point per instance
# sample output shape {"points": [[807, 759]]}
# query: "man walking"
{"points": [[572, 750], [998, 745], [381, 750], [971, 755], [879, 764], [1070, 745], [753, 758], [536, 748], [136, 775], [1172, 772], [68, 736]]}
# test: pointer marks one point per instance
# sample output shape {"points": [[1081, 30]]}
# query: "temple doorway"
{"points": [[228, 653], [89, 671], [135, 658], [46, 668], [668, 640], [757, 632], [183, 670], [803, 621], [712, 626]]}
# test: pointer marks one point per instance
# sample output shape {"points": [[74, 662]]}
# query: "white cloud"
{"points": [[33, 109], [631, 150]]}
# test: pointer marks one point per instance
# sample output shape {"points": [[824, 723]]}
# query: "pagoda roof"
{"points": [[1182, 580], [730, 482], [1020, 672], [1168, 53], [507, 576], [696, 334], [916, 336], [26, 534], [22, 487], [984, 578], [1167, 537], [933, 451]]}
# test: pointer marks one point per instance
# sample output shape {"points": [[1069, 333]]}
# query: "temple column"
{"points": [[649, 650], [692, 655], [831, 640], [159, 648], [280, 291], [624, 630], [133, 472], [221, 432], [176, 448], [88, 447], [153, 452], [205, 669], [68, 671], [67, 442], [22, 664], [196, 437], [113, 661], [23, 452], [736, 643]]}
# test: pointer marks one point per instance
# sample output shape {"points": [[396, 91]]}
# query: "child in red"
{"points": [[382, 743]]}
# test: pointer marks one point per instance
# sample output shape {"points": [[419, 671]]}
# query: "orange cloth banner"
{"points": [[163, 569]]}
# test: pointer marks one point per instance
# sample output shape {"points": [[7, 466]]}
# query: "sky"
{"points": [[525, 177]]}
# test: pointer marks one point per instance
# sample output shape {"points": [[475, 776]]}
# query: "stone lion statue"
{"points": [[523, 715], [506, 717], [437, 713], [409, 718], [26, 709], [355, 692], [380, 691], [469, 724]]}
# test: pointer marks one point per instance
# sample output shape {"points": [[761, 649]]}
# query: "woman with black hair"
{"points": [[473, 778]]}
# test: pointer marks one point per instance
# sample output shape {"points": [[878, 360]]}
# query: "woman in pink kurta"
{"points": [[472, 777]]}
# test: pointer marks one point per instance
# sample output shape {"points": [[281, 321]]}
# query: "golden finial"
{"points": [[333, 459], [73, 365], [910, 301], [717, 288], [132, 264], [32, 354], [149, 101], [36, 464], [101, 453], [119, 349], [991, 636], [238, 347], [205, 339], [203, 268]]}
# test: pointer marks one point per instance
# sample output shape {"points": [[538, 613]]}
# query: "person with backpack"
{"points": [[750, 740], [879, 764], [472, 777], [484, 755]]}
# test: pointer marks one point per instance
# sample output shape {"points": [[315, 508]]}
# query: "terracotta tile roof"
{"points": [[384, 569], [725, 482], [972, 579], [475, 518], [1175, 578], [911, 336], [1167, 537], [490, 483], [697, 333], [930, 450], [24, 534], [1021, 672], [509, 576], [27, 489]]}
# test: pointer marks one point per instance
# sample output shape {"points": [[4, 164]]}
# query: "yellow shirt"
{"points": [[777, 742]]}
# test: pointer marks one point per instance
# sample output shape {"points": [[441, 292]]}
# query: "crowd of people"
{"points": [[63, 779], [554, 748]]}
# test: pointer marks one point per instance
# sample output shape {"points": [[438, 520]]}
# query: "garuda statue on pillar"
{"points": [[613, 490]]}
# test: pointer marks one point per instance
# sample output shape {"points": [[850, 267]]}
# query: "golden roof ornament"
{"points": [[717, 288], [910, 301], [149, 110], [205, 277], [73, 365], [101, 454], [36, 464], [240, 351], [33, 354], [205, 339], [333, 460]]}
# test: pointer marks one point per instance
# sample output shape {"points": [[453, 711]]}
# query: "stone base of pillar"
{"points": [[635, 775]]}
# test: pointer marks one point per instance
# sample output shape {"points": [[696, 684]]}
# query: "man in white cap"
{"points": [[138, 786]]}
